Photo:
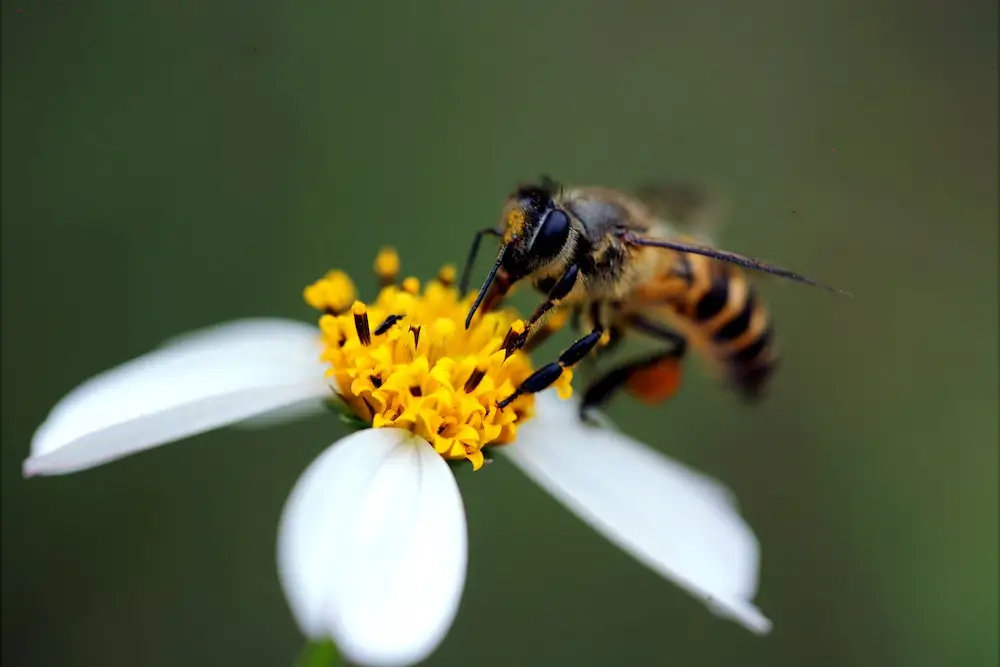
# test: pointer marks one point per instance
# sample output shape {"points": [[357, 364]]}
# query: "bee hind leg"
{"points": [[653, 378]]}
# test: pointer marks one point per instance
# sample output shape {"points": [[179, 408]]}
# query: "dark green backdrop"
{"points": [[171, 164]]}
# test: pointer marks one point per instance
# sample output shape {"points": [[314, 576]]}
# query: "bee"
{"points": [[617, 263]]}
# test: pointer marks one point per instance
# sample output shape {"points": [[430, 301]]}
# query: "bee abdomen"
{"points": [[751, 366], [736, 326]]}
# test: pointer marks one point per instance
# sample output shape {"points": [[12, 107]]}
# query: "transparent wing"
{"points": [[691, 210]]}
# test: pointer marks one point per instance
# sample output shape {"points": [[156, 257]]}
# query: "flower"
{"points": [[407, 361], [372, 544]]}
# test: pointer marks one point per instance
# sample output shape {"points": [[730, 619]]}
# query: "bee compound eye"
{"points": [[552, 234]]}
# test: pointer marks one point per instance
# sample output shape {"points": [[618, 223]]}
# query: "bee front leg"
{"points": [[559, 291], [541, 334]]}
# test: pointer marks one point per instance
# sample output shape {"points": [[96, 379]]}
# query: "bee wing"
{"points": [[689, 209]]}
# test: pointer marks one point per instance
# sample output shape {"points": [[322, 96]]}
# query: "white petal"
{"points": [[678, 522], [195, 383], [372, 548]]}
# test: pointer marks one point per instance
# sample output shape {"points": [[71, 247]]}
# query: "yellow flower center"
{"points": [[406, 360]]}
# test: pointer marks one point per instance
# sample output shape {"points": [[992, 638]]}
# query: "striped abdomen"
{"points": [[725, 318]]}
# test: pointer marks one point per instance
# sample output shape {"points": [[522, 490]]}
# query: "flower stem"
{"points": [[320, 654]]}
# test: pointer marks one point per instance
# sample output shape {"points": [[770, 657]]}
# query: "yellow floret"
{"points": [[407, 361], [387, 265]]}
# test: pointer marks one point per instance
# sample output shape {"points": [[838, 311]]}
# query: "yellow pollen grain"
{"points": [[427, 373], [518, 327], [515, 224]]}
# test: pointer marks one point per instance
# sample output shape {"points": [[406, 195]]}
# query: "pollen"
{"points": [[515, 224], [406, 360]]}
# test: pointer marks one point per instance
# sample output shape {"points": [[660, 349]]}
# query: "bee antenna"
{"points": [[486, 286], [551, 185], [470, 261], [732, 258]]}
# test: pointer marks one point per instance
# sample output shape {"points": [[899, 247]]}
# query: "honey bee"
{"points": [[617, 263]]}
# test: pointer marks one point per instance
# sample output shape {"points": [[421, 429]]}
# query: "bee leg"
{"points": [[548, 374], [559, 291], [463, 286], [662, 378], [544, 332], [653, 378], [588, 365]]}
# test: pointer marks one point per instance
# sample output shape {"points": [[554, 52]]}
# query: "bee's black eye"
{"points": [[552, 234]]}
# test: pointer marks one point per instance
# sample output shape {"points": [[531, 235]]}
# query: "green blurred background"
{"points": [[170, 164]]}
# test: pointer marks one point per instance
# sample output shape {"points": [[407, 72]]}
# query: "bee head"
{"points": [[535, 232]]}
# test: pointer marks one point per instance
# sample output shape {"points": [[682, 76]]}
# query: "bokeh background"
{"points": [[170, 164]]}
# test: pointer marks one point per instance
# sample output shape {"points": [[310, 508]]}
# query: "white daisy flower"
{"points": [[372, 545]]}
